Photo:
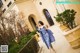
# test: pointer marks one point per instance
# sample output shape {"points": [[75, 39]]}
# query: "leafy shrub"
{"points": [[15, 47], [67, 17]]}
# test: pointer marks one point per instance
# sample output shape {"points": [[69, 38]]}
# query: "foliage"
{"points": [[59, 17], [67, 17], [15, 47]]}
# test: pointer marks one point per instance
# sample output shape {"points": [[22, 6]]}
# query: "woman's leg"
{"points": [[53, 48], [50, 49]]}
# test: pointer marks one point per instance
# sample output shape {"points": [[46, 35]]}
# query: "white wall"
{"points": [[5, 3], [29, 8], [46, 4]]}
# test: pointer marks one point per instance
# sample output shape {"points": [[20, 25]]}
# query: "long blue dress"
{"points": [[47, 36]]}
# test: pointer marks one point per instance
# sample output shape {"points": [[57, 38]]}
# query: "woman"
{"points": [[46, 34]]}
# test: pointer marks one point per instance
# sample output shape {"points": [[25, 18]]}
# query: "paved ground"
{"points": [[61, 45]]}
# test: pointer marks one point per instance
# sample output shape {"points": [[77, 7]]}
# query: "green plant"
{"points": [[59, 18], [15, 47], [67, 17]]}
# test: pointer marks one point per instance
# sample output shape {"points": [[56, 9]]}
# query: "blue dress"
{"points": [[47, 36]]}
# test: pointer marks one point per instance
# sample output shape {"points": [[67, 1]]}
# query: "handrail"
{"points": [[26, 44], [35, 45]]}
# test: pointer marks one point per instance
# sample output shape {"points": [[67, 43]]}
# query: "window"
{"points": [[4, 0], [48, 17], [9, 3], [1, 3], [4, 10], [14, 0], [40, 3]]}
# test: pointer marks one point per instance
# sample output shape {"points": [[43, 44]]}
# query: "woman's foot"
{"points": [[53, 49]]}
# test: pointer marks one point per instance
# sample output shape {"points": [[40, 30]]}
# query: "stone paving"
{"points": [[61, 45]]}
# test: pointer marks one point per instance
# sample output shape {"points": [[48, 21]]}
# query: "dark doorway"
{"points": [[32, 22], [48, 17]]}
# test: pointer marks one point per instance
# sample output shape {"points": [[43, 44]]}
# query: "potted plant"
{"points": [[67, 18]]}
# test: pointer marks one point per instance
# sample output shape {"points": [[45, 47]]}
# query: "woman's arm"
{"points": [[46, 27]]}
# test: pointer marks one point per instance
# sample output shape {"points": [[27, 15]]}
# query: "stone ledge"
{"points": [[70, 31]]}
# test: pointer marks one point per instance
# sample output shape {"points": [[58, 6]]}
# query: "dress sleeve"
{"points": [[48, 30], [41, 34]]}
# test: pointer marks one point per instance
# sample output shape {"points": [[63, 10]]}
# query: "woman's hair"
{"points": [[41, 22]]}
